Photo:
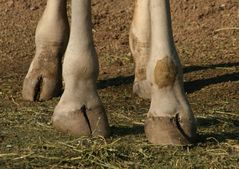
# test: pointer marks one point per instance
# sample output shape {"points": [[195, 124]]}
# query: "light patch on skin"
{"points": [[165, 72]]}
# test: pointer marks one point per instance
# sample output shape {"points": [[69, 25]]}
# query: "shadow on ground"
{"points": [[221, 136], [196, 85], [190, 87], [126, 130], [194, 68], [120, 131], [117, 81]]}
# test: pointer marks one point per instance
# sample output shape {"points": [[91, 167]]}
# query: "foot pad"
{"points": [[82, 123], [169, 131]]}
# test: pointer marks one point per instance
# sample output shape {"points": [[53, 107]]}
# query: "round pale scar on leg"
{"points": [[165, 72]]}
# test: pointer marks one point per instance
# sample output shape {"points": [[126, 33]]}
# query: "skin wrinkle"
{"points": [[140, 52], [46, 63], [44, 76], [138, 45], [42, 44]]}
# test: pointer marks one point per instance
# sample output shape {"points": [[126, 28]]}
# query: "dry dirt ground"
{"points": [[207, 38]]}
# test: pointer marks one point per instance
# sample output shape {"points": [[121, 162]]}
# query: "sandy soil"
{"points": [[206, 35]]}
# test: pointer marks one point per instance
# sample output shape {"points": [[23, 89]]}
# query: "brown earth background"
{"points": [[206, 34]]}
